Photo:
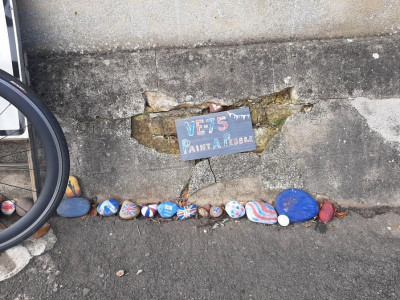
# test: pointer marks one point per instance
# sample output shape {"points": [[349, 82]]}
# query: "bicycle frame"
{"points": [[11, 61]]}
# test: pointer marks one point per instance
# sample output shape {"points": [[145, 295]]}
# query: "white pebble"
{"points": [[375, 55], [138, 272], [389, 228], [283, 220]]}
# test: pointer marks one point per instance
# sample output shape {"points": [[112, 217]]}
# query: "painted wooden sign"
{"points": [[215, 134]]}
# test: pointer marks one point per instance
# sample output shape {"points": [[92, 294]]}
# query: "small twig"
{"points": [[137, 226]]}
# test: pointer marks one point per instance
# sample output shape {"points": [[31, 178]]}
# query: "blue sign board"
{"points": [[215, 134]]}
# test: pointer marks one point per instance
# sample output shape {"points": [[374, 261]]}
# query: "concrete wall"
{"points": [[343, 142], [340, 132], [99, 25]]}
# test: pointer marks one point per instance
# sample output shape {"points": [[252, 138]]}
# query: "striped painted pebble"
{"points": [[149, 210], [261, 212]]}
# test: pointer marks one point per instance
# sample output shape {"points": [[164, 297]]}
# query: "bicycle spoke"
{"points": [[11, 154], [4, 224], [5, 109], [18, 187], [20, 168], [15, 131]]}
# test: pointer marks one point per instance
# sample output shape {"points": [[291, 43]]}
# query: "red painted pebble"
{"points": [[326, 212]]}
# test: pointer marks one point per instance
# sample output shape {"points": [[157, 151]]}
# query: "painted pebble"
{"points": [[215, 107], [108, 208], [203, 212], [283, 220], [215, 211], [297, 205], [235, 210], [261, 212], [23, 206], [186, 212], [129, 210], [73, 207], [149, 210], [73, 188], [167, 209], [8, 207], [326, 213]]}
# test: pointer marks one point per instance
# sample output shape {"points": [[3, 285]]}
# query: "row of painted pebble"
{"points": [[292, 205]]}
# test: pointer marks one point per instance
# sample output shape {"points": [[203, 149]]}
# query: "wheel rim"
{"points": [[54, 173]]}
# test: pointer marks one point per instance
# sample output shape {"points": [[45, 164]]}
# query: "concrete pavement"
{"points": [[356, 257]]}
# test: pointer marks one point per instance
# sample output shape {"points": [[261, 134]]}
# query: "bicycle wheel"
{"points": [[51, 167]]}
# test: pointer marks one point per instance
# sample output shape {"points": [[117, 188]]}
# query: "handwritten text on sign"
{"points": [[215, 134]]}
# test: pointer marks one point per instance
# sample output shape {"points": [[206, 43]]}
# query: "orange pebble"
{"points": [[73, 188]]}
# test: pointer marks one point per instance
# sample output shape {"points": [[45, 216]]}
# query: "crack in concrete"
{"points": [[212, 172]]}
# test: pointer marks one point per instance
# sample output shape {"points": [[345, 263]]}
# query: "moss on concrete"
{"points": [[268, 115]]}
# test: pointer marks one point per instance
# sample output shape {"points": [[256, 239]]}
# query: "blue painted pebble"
{"points": [[235, 210], [167, 209], [73, 207], [297, 205], [108, 208]]}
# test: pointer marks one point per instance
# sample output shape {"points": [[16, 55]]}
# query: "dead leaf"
{"points": [[185, 195], [331, 227], [42, 231], [93, 211], [120, 273], [2, 227], [341, 215]]}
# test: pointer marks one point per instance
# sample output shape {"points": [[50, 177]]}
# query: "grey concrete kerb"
{"points": [[15, 259]]}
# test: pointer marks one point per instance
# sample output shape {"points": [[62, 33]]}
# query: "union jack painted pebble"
{"points": [[186, 212], [129, 210]]}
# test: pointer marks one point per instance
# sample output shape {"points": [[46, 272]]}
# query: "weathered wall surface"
{"points": [[99, 25], [342, 141]]}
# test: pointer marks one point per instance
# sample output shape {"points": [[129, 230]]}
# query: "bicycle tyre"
{"points": [[56, 157]]}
